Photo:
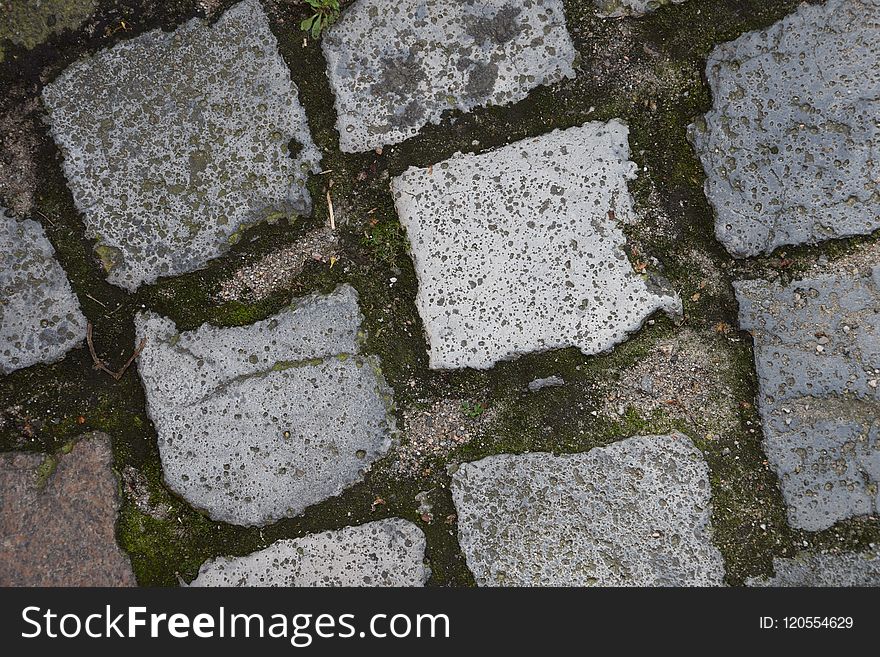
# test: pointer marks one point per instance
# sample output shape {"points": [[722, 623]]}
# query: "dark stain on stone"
{"points": [[501, 28], [482, 79], [412, 114], [399, 75]]}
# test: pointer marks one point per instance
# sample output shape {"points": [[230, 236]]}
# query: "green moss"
{"points": [[45, 470]]}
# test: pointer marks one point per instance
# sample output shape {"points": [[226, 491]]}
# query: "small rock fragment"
{"points": [[550, 382]]}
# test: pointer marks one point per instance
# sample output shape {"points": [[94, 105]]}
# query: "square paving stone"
{"points": [[521, 249], [789, 146], [382, 553], [58, 518], [635, 513], [817, 355], [175, 142], [396, 66], [40, 318], [258, 422]]}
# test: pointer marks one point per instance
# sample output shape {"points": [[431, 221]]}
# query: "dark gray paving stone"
{"points": [[397, 66], [817, 355], [40, 317], [808, 569], [789, 147]]}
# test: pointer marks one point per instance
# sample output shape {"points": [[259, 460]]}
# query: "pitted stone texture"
{"points": [[259, 422], [174, 143], [618, 8], [396, 66], [789, 145], [58, 516], [521, 249], [852, 569], [635, 513], [817, 355], [383, 553], [40, 318]]}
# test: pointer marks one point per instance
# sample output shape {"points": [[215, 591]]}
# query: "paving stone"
{"points": [[618, 8], [521, 249], [395, 67], [40, 318], [58, 517], [635, 513], [788, 146], [174, 143], [817, 355], [256, 423], [383, 553], [808, 569]]}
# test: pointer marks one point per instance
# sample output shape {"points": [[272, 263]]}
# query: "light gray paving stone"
{"points": [[618, 8], [382, 553], [817, 355], [257, 423], [58, 518], [175, 142], [635, 513], [394, 67], [789, 144], [808, 569], [521, 249], [40, 318]]}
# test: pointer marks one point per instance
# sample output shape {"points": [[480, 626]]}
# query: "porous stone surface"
{"points": [[521, 249], [258, 422], [383, 553], [808, 569], [395, 67], [40, 318], [817, 356], [789, 144], [174, 143], [57, 518], [618, 8], [635, 513]]}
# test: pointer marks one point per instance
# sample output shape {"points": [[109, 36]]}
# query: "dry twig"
{"points": [[100, 365]]}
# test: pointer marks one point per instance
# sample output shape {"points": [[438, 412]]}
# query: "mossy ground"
{"points": [[648, 72]]}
